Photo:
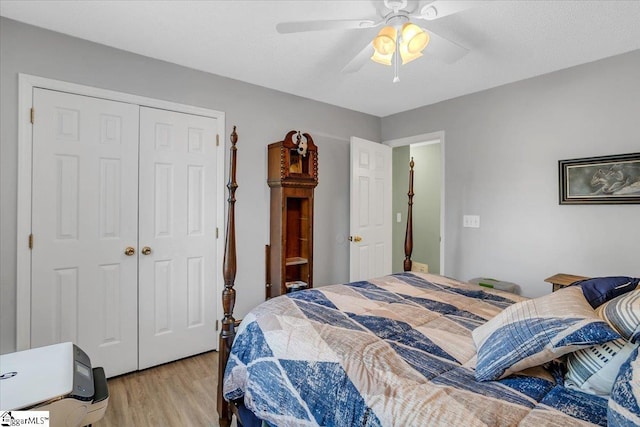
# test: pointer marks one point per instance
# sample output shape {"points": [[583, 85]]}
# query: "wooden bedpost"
{"points": [[408, 235], [227, 332]]}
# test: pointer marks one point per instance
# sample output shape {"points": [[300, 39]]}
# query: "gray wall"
{"points": [[262, 116], [502, 152]]}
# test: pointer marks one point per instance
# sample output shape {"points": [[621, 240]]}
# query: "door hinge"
{"points": [[217, 140], [30, 241], [216, 232], [32, 116], [217, 325]]}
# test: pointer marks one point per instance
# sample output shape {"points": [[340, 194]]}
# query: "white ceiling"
{"points": [[508, 41]]}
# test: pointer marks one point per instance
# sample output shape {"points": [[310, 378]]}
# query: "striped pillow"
{"points": [[623, 314], [536, 331], [594, 369], [624, 403]]}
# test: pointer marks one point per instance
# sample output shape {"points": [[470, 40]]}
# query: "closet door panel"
{"points": [[84, 215], [177, 223]]}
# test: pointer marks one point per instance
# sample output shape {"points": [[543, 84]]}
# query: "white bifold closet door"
{"points": [[96, 204]]}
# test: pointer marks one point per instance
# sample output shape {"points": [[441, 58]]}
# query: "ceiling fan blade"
{"points": [[444, 49], [359, 60], [440, 8], [340, 24]]}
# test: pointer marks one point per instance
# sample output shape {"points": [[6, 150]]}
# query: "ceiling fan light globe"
{"points": [[384, 45], [382, 59], [418, 43], [406, 55], [385, 41], [414, 37]]}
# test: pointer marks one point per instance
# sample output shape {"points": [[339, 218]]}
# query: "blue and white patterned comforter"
{"points": [[393, 351]]}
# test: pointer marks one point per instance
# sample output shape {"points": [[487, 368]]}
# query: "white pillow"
{"points": [[594, 369]]}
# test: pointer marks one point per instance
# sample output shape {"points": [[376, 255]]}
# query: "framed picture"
{"points": [[600, 180]]}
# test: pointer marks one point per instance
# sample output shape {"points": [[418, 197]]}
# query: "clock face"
{"points": [[295, 162]]}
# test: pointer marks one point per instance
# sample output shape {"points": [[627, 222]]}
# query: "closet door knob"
{"points": [[146, 250], [129, 251], [355, 238]]}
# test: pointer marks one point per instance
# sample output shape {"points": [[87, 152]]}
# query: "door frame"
{"points": [[421, 138], [26, 84]]}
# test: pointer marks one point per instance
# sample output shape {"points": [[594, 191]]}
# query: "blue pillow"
{"points": [[536, 331], [599, 290], [624, 404]]}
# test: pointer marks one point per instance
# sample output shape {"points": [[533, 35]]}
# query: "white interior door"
{"points": [[178, 224], [84, 215], [370, 214]]}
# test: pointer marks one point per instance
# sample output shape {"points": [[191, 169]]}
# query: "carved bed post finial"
{"points": [[227, 332], [408, 236]]}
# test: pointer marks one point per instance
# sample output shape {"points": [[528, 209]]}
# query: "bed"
{"points": [[414, 349]]}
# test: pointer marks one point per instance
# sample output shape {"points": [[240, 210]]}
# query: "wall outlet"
{"points": [[471, 221], [398, 217]]}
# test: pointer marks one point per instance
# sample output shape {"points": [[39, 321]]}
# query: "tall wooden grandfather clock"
{"points": [[292, 175]]}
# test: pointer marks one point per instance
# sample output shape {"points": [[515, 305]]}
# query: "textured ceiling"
{"points": [[508, 41]]}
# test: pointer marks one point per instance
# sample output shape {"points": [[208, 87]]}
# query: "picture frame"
{"points": [[600, 180]]}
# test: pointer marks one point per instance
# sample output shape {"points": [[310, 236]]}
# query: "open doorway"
{"points": [[428, 202]]}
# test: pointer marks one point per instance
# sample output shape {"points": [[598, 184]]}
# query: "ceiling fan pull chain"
{"points": [[396, 67]]}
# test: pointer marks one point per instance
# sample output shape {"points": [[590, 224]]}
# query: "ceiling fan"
{"points": [[400, 38]]}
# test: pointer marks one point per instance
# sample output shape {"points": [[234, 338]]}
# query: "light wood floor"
{"points": [[180, 394]]}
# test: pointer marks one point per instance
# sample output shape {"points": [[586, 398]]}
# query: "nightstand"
{"points": [[561, 280]]}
